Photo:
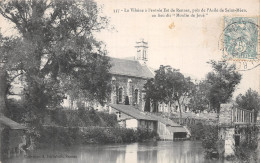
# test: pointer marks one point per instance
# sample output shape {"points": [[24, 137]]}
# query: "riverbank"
{"points": [[149, 151], [72, 127], [67, 136]]}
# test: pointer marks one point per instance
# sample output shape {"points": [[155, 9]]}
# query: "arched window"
{"points": [[136, 96], [120, 95]]}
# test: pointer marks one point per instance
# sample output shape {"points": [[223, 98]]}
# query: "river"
{"points": [[145, 152]]}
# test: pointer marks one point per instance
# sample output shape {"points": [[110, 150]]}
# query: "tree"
{"points": [[223, 81], [249, 101], [199, 96], [168, 86], [55, 51]]}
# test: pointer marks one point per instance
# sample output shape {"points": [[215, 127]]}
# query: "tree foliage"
{"points": [[223, 80], [56, 51], [249, 101], [168, 85], [199, 96]]}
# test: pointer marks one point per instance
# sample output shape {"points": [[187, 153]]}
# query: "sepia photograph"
{"points": [[129, 81]]}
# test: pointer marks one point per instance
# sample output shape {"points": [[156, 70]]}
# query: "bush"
{"points": [[209, 140], [60, 136], [197, 131], [246, 151], [73, 136], [110, 120], [83, 118]]}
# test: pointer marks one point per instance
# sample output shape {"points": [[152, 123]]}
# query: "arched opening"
{"points": [[126, 100], [136, 93], [120, 95]]}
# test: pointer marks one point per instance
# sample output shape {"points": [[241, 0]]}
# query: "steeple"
{"points": [[141, 47]]}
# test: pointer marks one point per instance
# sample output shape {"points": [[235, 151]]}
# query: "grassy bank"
{"points": [[75, 135], [71, 127], [80, 118]]}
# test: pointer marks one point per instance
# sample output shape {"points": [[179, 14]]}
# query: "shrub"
{"points": [[70, 136], [246, 150], [197, 131], [209, 140], [83, 118]]}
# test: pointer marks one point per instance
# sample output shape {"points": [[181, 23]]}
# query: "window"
{"points": [[186, 108], [120, 95], [118, 115], [136, 96], [176, 107]]}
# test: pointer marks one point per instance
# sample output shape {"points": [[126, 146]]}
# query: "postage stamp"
{"points": [[240, 41]]}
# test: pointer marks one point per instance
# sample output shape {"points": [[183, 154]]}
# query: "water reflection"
{"points": [[147, 152]]}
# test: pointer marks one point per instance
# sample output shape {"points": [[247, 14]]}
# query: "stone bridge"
{"points": [[233, 125]]}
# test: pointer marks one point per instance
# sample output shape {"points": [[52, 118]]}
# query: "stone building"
{"points": [[129, 77], [127, 98], [130, 117]]}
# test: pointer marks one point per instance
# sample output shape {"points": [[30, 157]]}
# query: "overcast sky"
{"points": [[187, 46]]}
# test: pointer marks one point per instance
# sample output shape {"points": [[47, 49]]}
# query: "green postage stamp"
{"points": [[240, 41]]}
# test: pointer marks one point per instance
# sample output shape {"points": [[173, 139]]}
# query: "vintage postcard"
{"points": [[129, 81]]}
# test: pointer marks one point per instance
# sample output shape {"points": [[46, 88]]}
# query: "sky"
{"points": [[188, 45], [184, 43]]}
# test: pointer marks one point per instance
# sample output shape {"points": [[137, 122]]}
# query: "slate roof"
{"points": [[130, 68], [131, 111], [10, 123]]}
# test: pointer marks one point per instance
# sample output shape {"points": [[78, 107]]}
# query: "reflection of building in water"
{"points": [[120, 158], [131, 153], [147, 153]]}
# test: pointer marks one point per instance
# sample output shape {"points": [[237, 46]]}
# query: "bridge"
{"points": [[233, 124]]}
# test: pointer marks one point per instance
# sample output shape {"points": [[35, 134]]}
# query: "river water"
{"points": [[145, 152]]}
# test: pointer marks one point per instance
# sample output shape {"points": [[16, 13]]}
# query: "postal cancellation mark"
{"points": [[240, 40]]}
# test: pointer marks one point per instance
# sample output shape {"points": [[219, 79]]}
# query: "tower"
{"points": [[141, 47]]}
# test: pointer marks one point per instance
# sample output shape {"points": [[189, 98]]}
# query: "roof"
{"points": [[177, 129], [130, 68], [10, 123], [165, 121], [131, 111]]}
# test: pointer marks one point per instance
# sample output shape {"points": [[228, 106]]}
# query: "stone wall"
{"points": [[227, 134], [129, 85], [163, 132], [225, 114], [226, 131]]}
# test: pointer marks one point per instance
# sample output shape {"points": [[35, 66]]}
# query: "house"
{"points": [[130, 117]]}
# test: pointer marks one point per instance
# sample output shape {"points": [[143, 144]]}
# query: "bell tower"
{"points": [[142, 47]]}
